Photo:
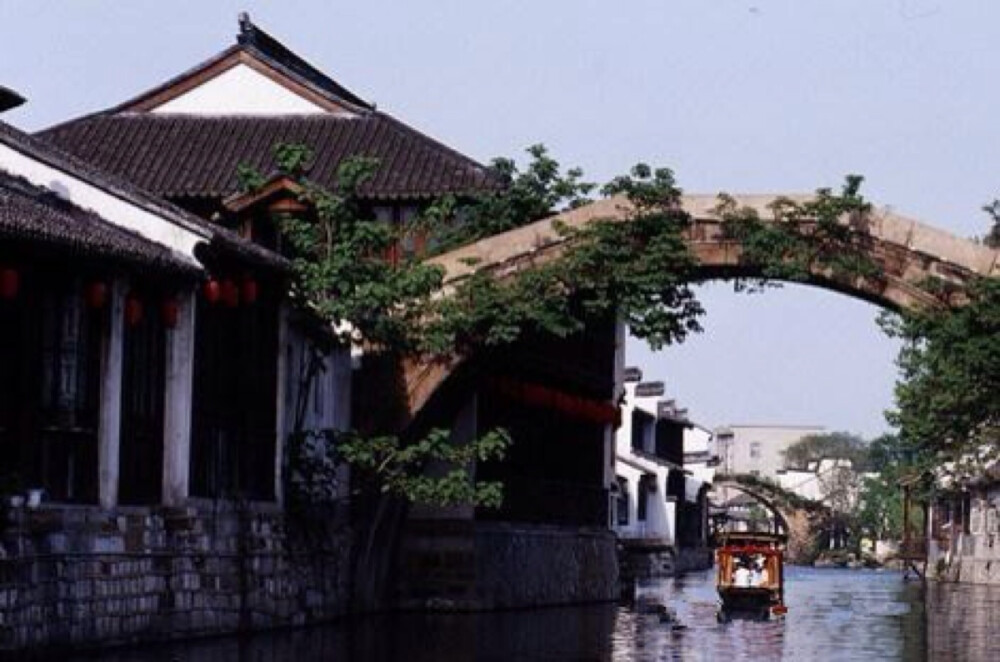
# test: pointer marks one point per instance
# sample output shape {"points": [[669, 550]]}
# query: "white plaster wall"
{"points": [[698, 440], [700, 471], [240, 90], [181, 240], [623, 437], [773, 440], [329, 400], [701, 441], [328, 405], [660, 514], [803, 483]]}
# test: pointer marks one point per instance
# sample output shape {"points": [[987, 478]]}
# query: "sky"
{"points": [[734, 95]]}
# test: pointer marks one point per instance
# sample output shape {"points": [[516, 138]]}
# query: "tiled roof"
{"points": [[34, 214], [226, 240], [184, 156]]}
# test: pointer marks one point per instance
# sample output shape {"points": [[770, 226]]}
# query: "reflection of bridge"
{"points": [[804, 521]]}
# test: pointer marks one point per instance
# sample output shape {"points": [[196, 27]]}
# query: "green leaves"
{"points": [[948, 394], [434, 470], [342, 274], [638, 268], [822, 238], [523, 198]]}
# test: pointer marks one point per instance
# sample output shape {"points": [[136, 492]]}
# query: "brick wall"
{"points": [[78, 576]]}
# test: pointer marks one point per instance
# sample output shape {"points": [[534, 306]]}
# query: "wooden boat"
{"points": [[750, 574]]}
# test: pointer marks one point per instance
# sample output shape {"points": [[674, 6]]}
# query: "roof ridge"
{"points": [[253, 36], [254, 41]]}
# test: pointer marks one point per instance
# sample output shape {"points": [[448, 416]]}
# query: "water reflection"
{"points": [[964, 622], [833, 615]]}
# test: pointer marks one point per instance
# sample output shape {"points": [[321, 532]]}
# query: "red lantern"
{"points": [[10, 283], [230, 293], [169, 311], [211, 291], [248, 291], [133, 310], [97, 294]]}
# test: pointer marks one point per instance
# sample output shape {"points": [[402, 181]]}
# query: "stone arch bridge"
{"points": [[804, 521], [562, 401], [907, 251]]}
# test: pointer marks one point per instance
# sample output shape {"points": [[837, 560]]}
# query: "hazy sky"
{"points": [[735, 95]]}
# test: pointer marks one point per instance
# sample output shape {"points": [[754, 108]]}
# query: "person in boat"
{"points": [[741, 577], [759, 577]]}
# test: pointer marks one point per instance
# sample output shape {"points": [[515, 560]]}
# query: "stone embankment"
{"points": [[81, 576], [646, 559]]}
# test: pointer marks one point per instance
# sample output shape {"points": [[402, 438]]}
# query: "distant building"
{"points": [[758, 449], [835, 482]]}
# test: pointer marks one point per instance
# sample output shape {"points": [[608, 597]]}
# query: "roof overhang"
{"points": [[280, 193]]}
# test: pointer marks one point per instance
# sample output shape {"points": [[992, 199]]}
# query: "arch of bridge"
{"points": [[907, 251], [781, 514], [802, 526]]}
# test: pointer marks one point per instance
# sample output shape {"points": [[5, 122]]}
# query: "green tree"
{"points": [[520, 197], [879, 514], [640, 270], [948, 394]]}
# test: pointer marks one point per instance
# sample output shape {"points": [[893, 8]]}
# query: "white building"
{"points": [[658, 500], [833, 481], [701, 458], [758, 449]]}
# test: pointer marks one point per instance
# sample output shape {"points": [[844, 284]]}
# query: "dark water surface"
{"points": [[833, 615]]}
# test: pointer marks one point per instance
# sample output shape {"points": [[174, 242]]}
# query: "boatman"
{"points": [[741, 577]]}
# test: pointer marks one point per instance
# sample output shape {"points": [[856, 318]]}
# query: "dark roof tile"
{"points": [[34, 214], [107, 179], [184, 156]]}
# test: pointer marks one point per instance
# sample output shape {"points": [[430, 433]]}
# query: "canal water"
{"points": [[834, 614]]}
